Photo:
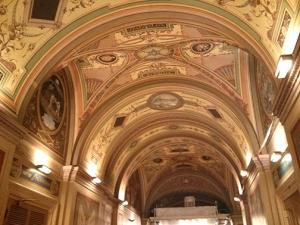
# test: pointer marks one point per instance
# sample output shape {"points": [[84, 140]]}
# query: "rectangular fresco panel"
{"points": [[296, 138], [256, 208], [86, 211], [284, 28], [2, 154]]}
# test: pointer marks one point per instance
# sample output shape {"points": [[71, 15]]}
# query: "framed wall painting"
{"points": [[2, 156], [86, 211], [296, 138]]}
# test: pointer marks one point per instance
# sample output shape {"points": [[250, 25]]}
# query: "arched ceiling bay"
{"points": [[28, 46], [160, 117], [159, 88]]}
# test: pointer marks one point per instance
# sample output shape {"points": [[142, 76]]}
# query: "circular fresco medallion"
{"points": [[51, 104], [106, 58], [165, 101], [202, 47], [154, 52]]}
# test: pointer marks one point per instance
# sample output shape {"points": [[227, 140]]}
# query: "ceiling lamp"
{"points": [[244, 173], [276, 156], [284, 65], [44, 169], [96, 180]]}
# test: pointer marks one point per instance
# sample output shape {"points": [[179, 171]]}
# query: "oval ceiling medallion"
{"points": [[202, 47], [206, 158], [165, 101], [106, 58], [157, 160], [51, 104], [154, 52]]}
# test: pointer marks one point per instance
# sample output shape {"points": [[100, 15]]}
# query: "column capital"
{"points": [[69, 172], [262, 162]]}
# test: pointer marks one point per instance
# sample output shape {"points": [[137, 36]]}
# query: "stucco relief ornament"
{"points": [[254, 9], [107, 58], [17, 41], [154, 52], [77, 4], [165, 101], [202, 47]]}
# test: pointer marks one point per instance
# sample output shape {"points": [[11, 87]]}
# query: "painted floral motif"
{"points": [[17, 41], [154, 52], [77, 4], [262, 14], [284, 28]]}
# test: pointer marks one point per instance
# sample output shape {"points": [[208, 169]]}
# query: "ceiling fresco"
{"points": [[218, 65], [107, 135], [184, 153], [166, 102], [23, 40]]}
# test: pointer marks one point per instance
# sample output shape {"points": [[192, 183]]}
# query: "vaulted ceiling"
{"points": [[160, 89]]}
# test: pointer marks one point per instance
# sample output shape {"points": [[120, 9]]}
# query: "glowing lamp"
{"points": [[244, 173], [284, 65], [236, 199], [287, 158], [96, 180], [276, 156], [125, 203], [44, 169]]}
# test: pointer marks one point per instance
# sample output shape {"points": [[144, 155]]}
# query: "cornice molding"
{"points": [[257, 165], [11, 126], [77, 175]]}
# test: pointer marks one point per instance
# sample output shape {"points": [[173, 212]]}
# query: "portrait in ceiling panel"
{"points": [[46, 114]]}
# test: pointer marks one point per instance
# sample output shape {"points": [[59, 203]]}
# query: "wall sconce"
{"points": [[125, 203], [284, 65], [244, 173], [131, 220], [276, 156], [44, 169], [236, 199], [96, 180]]}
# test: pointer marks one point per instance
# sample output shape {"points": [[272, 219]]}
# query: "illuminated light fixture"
{"points": [[125, 203], [236, 199], [244, 173], [96, 180], [284, 65], [276, 156], [287, 158], [44, 169]]}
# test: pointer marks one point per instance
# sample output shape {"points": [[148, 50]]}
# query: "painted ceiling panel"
{"points": [[23, 42]]}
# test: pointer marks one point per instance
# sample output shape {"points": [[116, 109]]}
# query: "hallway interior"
{"points": [[111, 112]]}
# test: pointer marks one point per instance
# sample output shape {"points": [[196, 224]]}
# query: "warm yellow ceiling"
{"points": [[177, 76], [28, 46]]}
